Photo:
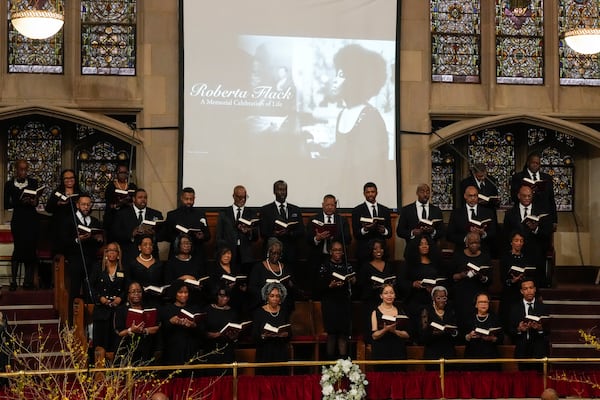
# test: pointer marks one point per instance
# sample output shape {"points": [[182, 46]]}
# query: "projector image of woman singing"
{"points": [[360, 132]]}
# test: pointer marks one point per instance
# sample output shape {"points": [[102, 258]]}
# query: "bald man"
{"points": [[549, 394], [159, 396]]}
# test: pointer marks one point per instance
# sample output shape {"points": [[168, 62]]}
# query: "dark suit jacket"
{"points": [[228, 234], [68, 234], [125, 222], [542, 199], [459, 223], [535, 344], [409, 220], [342, 234], [189, 217], [490, 187], [268, 214], [362, 245], [536, 244]]}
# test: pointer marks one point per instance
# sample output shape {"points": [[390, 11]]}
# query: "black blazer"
{"points": [[459, 223], [125, 222], [291, 239], [533, 343], [188, 217], [68, 234], [362, 246], [536, 243], [542, 199], [409, 220], [342, 232], [228, 234], [490, 187]]}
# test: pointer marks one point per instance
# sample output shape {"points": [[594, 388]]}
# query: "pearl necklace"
{"points": [[275, 314], [273, 272], [146, 259], [482, 319], [21, 186]]}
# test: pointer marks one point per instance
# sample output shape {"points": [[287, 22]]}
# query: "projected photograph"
{"points": [[318, 98]]}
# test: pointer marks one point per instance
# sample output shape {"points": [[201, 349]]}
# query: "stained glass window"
{"points": [[31, 55], [97, 158], [519, 41], [442, 179], [40, 145], [496, 150], [108, 30], [578, 69], [455, 40], [557, 162]]}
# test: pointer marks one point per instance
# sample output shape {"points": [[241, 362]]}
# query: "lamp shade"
{"points": [[584, 40], [37, 24]]}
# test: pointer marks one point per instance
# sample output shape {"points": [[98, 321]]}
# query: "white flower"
{"points": [[332, 375], [327, 389]]}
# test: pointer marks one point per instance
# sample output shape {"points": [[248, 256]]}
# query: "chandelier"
{"points": [[40, 20], [584, 40]]}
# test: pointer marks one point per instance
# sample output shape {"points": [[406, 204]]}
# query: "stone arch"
{"points": [[96, 121], [467, 126]]}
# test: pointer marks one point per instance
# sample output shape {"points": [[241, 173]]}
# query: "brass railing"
{"points": [[237, 366]]}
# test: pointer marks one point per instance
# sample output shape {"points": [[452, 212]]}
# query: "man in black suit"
{"points": [[537, 234], [530, 337], [365, 231], [464, 219], [543, 193], [284, 213], [236, 235], [128, 225], [191, 218], [326, 227], [81, 247], [485, 184], [410, 225]]}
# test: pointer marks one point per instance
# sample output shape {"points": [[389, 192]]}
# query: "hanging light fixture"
{"points": [[584, 40], [37, 21]]}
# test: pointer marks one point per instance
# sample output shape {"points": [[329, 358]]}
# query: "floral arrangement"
{"points": [[343, 381]]}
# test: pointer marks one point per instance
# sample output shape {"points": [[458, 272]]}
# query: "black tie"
{"points": [[424, 212], [329, 219], [282, 212], [374, 211], [525, 212], [535, 176], [529, 308], [239, 214], [140, 217], [473, 216]]}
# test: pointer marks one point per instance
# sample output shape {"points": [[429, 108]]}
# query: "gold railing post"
{"points": [[545, 365], [442, 374], [235, 380]]}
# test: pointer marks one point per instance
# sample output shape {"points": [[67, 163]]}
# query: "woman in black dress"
{"points": [[146, 269], [272, 346], [438, 329], [118, 194], [483, 334], [335, 301], [468, 282], [371, 278], [223, 273], [108, 282], [143, 335], [220, 345], [389, 331], [271, 270], [511, 289], [183, 265], [423, 273], [25, 223], [182, 336], [61, 204]]}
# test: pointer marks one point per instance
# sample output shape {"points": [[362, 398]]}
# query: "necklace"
{"points": [[274, 314], [146, 259], [188, 257], [273, 272], [22, 185], [121, 186], [438, 311], [482, 319], [220, 307]]}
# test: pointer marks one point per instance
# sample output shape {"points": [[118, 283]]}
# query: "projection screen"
{"points": [[299, 90]]}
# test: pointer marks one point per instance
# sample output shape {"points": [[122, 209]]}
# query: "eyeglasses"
{"points": [[441, 298], [483, 302]]}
